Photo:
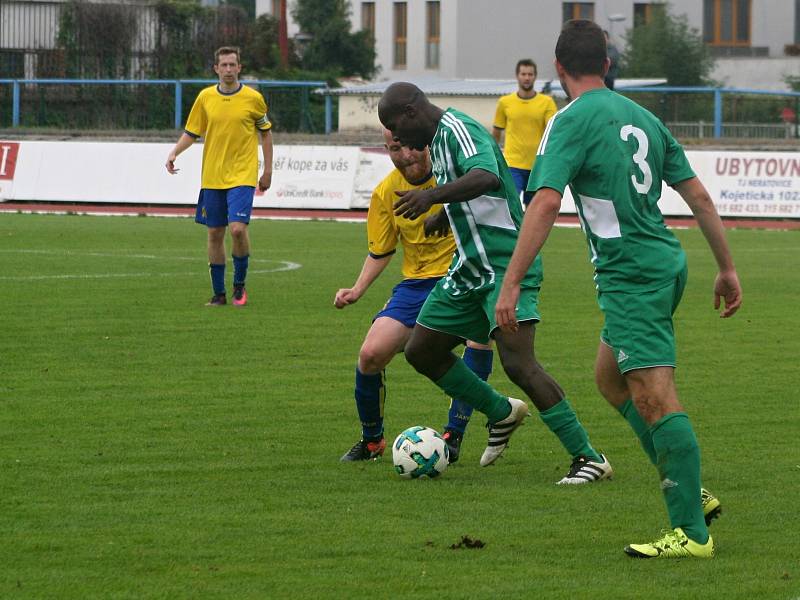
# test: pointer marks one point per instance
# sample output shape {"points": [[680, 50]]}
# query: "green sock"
{"points": [[460, 382], [679, 469], [640, 428], [563, 421]]}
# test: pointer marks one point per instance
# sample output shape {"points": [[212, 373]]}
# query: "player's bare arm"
{"points": [[183, 143], [265, 181], [536, 226], [437, 225], [727, 288], [497, 134], [415, 203], [372, 268]]}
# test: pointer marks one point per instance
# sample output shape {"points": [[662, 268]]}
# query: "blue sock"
{"points": [[240, 269], [217, 277], [480, 362], [370, 394]]}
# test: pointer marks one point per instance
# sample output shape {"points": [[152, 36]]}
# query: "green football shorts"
{"points": [[638, 326], [470, 316]]}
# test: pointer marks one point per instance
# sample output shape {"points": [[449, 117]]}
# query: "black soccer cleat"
{"points": [[453, 440], [365, 450], [217, 300]]}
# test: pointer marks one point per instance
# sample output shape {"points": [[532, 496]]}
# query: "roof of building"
{"points": [[476, 87]]}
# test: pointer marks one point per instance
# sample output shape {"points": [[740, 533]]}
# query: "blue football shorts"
{"points": [[407, 299], [520, 177], [216, 208]]}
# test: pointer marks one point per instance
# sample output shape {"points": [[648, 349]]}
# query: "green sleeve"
{"points": [[560, 156], [676, 165], [472, 146]]}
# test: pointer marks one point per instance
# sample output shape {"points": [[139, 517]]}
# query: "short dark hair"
{"points": [[526, 62], [227, 50], [581, 48]]}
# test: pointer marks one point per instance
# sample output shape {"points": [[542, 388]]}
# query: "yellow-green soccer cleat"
{"points": [[674, 544], [712, 507]]}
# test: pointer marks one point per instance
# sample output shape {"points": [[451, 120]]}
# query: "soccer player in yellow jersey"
{"points": [[523, 116], [229, 117], [425, 260]]}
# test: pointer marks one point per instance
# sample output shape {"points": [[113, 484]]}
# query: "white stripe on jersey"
{"points": [[462, 135], [476, 238], [461, 254], [546, 134]]}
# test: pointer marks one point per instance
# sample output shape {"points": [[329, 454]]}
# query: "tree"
{"points": [[332, 46], [263, 52], [667, 47]]}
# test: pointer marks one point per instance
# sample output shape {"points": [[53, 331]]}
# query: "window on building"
{"points": [[368, 18], [726, 22], [643, 12], [12, 63], [578, 10], [400, 34], [432, 35]]}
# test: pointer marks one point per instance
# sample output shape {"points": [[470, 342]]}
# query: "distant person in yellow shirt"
{"points": [[523, 116], [229, 117], [426, 259]]}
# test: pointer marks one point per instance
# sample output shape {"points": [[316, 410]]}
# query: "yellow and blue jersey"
{"points": [[228, 123], [524, 121], [423, 257]]}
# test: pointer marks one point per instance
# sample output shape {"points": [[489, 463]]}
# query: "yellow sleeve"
{"points": [[381, 227], [198, 119], [500, 115], [550, 109], [262, 120]]}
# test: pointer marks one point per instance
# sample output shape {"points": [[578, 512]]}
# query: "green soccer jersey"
{"points": [[614, 155], [485, 228]]}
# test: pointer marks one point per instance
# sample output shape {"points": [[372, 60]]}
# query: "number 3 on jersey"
{"points": [[640, 158]]}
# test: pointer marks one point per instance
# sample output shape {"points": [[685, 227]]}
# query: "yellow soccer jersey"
{"points": [[423, 257], [524, 122], [227, 123]]}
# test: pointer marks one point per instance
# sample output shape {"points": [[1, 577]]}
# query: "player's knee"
{"points": [[522, 370], [418, 356], [216, 234], [372, 359], [611, 390], [238, 230]]}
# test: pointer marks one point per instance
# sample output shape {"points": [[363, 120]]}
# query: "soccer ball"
{"points": [[420, 452]]}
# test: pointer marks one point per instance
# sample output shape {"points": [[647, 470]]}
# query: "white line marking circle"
{"points": [[281, 265]]}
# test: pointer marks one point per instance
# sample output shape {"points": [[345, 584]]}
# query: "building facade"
{"points": [[753, 40]]}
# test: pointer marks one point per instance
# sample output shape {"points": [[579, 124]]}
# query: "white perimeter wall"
{"points": [[742, 184]]}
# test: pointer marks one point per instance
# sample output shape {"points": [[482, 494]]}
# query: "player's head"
{"points": [[581, 49], [413, 164], [526, 74], [227, 64], [406, 112]]}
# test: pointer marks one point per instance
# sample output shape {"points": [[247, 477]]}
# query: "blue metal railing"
{"points": [[717, 92], [178, 84], [306, 86]]}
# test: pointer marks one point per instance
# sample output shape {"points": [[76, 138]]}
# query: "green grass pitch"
{"points": [[151, 447]]}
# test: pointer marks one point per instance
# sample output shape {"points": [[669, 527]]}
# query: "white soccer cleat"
{"points": [[584, 471], [500, 432]]}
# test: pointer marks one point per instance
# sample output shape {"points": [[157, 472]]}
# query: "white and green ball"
{"points": [[419, 452]]}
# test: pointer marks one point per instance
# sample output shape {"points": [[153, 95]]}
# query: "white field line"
{"points": [[281, 265]]}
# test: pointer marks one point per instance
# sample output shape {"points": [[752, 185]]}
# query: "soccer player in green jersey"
{"points": [[484, 214], [615, 155]]}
